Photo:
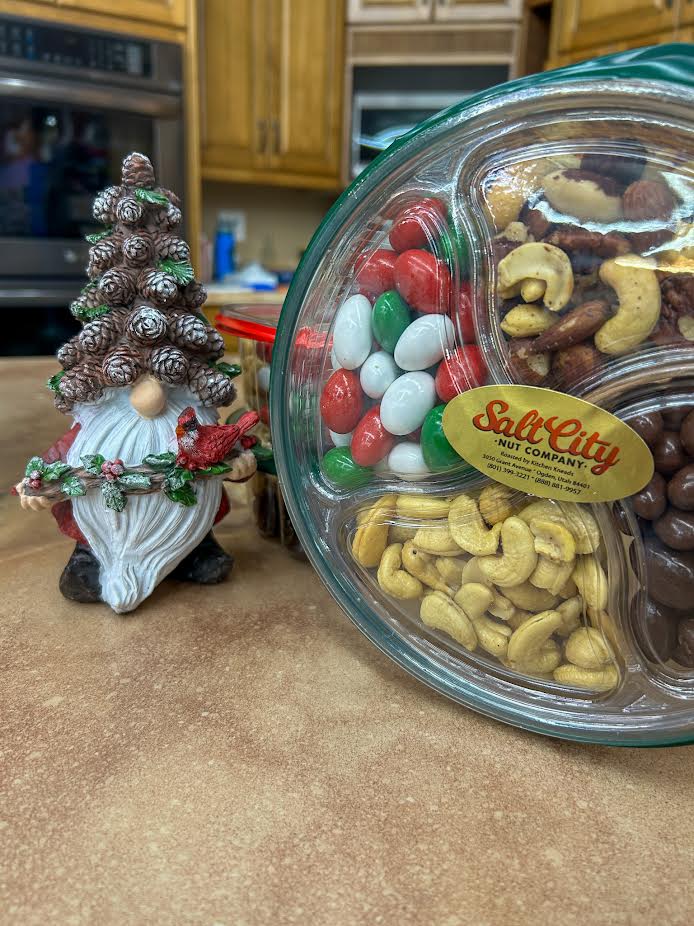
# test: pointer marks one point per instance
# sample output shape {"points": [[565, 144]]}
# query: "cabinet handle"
{"points": [[275, 136], [262, 136]]}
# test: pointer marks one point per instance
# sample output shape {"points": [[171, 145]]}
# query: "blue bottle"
{"points": [[224, 244]]}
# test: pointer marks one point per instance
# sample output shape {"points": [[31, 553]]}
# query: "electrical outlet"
{"points": [[235, 219]]}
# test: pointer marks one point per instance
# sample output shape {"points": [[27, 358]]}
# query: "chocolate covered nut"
{"points": [[676, 529], [684, 654], [674, 417], [687, 434], [650, 502], [670, 575], [648, 427], [657, 633], [574, 327], [680, 489], [668, 453]]}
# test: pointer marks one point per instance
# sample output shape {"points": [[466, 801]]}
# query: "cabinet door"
{"points": [[686, 16], [307, 38], [587, 23], [164, 12], [388, 11], [233, 71], [452, 10]]}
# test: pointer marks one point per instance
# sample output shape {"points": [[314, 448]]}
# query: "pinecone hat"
{"points": [[140, 308]]}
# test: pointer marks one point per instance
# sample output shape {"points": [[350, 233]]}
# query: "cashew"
{"points": [[474, 599], [551, 576], [436, 539], [553, 540], [587, 648], [591, 582], [450, 569], [530, 648], [394, 580], [469, 530], [400, 534], [507, 189], [582, 197], [473, 573], [571, 611], [514, 231], [595, 679], [576, 518], [531, 290], [537, 261], [425, 507], [440, 613], [501, 607], [525, 321], [638, 292], [530, 598], [517, 618], [371, 537], [604, 622], [421, 565], [568, 589], [518, 557], [495, 503]]}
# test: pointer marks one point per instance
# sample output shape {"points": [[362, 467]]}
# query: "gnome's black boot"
{"points": [[207, 564], [80, 578]]}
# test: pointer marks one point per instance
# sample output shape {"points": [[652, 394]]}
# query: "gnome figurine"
{"points": [[137, 481]]}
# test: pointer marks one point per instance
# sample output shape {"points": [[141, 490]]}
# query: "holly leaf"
{"points": [[92, 463], [181, 270], [112, 495], [53, 382], [99, 236], [151, 196], [177, 478], [55, 471], [134, 481], [185, 495], [35, 463], [160, 461], [215, 470], [231, 370], [73, 486], [85, 313]]}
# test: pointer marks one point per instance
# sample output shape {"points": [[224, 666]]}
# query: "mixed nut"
{"points": [[518, 577]]}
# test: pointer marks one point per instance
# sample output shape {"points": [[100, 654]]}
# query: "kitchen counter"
{"points": [[242, 755]]}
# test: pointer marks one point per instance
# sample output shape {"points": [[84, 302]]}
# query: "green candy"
{"points": [[341, 469], [389, 319], [454, 248], [437, 452]]}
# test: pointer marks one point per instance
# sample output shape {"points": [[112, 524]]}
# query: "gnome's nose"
{"points": [[148, 397]]}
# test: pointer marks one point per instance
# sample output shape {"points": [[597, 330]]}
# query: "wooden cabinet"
{"points": [[272, 73], [597, 23], [163, 12], [686, 16], [384, 11], [455, 10]]}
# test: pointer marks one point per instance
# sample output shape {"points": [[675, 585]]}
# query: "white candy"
{"points": [[334, 362], [340, 440], [407, 401], [263, 378], [406, 461], [352, 332], [378, 372], [423, 343]]}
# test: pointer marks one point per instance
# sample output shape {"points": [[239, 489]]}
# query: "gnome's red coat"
{"points": [[62, 511]]}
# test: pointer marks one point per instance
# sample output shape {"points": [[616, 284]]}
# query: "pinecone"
{"points": [[121, 367], [169, 364], [98, 335], [170, 247], [70, 354], [102, 256], [211, 387], [188, 331], [83, 383], [117, 286], [167, 217], [129, 211], [157, 286], [194, 295], [104, 208], [89, 298], [137, 248], [138, 171], [171, 196], [214, 346], [146, 325]]}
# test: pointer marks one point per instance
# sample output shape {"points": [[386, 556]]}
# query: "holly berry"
{"points": [[35, 483], [117, 468], [461, 369], [417, 225], [370, 441], [463, 314], [374, 272], [342, 401], [423, 281], [106, 467], [35, 475]]}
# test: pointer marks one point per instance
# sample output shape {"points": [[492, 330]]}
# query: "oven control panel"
{"points": [[73, 48]]}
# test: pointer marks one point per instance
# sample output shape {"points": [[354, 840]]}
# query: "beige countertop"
{"points": [[241, 755]]}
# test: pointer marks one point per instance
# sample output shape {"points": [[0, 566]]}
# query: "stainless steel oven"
{"points": [[73, 103]]}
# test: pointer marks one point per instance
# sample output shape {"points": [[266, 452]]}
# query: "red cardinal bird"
{"points": [[201, 445]]}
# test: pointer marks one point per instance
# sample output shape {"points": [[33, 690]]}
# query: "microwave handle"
{"points": [[159, 105]]}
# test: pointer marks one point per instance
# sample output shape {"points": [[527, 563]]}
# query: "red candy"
{"points": [[417, 225], [464, 314], [264, 415], [370, 441], [461, 369], [375, 272], [342, 401], [423, 282]]}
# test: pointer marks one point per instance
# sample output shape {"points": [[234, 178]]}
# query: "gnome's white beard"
{"points": [[140, 545]]}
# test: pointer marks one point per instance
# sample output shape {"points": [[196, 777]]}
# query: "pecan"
{"points": [[626, 168], [537, 223], [528, 367], [574, 327], [677, 291], [574, 238], [574, 364]]}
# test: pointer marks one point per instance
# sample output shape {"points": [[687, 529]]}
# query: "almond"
{"points": [[648, 199]]}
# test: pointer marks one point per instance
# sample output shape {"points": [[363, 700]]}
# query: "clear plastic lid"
{"points": [[539, 235]]}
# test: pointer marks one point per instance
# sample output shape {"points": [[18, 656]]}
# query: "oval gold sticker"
{"points": [[548, 444]]}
